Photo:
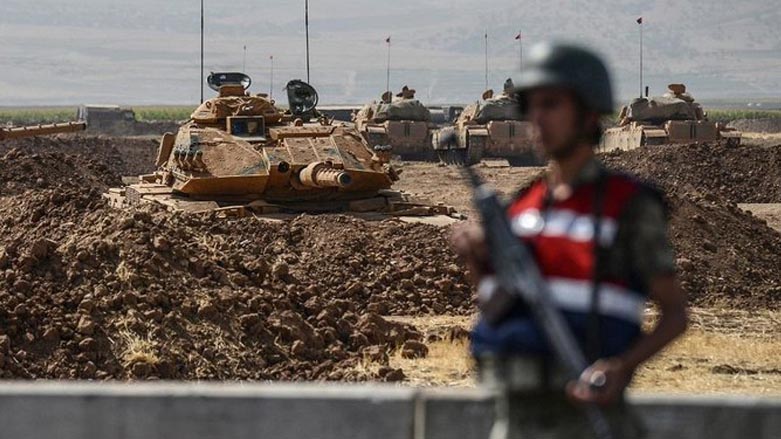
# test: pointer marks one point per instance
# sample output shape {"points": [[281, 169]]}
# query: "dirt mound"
{"points": [[123, 156], [91, 292], [726, 255], [138, 295], [744, 174], [22, 170]]}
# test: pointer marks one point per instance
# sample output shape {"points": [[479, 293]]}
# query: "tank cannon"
{"points": [[41, 130]]}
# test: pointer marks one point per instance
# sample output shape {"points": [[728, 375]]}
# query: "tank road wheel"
{"points": [[475, 147]]}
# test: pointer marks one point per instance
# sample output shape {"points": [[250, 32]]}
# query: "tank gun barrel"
{"points": [[323, 175], [41, 130]]}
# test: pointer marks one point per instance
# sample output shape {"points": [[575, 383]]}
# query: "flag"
{"points": [[640, 20], [518, 37], [387, 40], [271, 57]]}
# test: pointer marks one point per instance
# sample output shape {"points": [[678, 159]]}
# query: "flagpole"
{"points": [[486, 59], [641, 56], [201, 81], [271, 86], [244, 61], [520, 44], [387, 79], [306, 21]]}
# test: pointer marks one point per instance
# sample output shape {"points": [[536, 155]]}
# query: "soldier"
{"points": [[600, 239]]}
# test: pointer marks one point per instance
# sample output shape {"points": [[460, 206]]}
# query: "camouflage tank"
{"points": [[401, 122], [41, 130], [240, 154], [489, 129], [671, 118]]}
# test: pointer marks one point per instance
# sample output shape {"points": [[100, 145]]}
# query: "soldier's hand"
{"points": [[602, 383], [468, 241]]}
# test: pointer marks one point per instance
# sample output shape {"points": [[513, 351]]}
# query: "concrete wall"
{"points": [[282, 411]]}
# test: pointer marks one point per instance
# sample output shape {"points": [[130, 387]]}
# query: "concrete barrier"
{"points": [[287, 411]]}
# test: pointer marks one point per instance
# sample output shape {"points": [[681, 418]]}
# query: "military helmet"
{"points": [[570, 66]]}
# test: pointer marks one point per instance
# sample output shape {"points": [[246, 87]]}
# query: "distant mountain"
{"points": [[146, 51]]}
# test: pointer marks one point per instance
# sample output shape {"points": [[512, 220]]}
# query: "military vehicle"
{"points": [[241, 155], [489, 129], [401, 122], [671, 118], [120, 121], [41, 130]]}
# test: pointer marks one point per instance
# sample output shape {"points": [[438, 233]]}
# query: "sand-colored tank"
{"points": [[671, 118], [240, 154], [41, 130], [401, 122], [492, 128]]}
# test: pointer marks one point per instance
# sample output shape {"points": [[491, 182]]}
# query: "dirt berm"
{"points": [[743, 174], [726, 256], [91, 292]]}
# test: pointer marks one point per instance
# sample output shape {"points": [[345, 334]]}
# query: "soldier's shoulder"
{"points": [[646, 192], [535, 183]]}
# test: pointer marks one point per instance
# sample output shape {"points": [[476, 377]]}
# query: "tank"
{"points": [[240, 154], [41, 130], [492, 128], [671, 118], [401, 122]]}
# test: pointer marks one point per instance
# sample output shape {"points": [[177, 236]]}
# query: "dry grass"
{"points": [[138, 349], [707, 362], [447, 364], [725, 351]]}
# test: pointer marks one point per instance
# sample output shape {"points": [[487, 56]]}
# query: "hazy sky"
{"points": [[146, 51]]}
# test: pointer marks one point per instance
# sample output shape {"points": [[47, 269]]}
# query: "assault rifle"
{"points": [[517, 276]]}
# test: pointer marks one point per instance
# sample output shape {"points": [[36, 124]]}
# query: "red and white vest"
{"points": [[561, 235]]}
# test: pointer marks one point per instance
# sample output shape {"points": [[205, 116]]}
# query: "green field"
{"points": [[727, 115], [36, 115]]}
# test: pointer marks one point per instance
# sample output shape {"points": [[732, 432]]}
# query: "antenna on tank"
{"points": [[271, 87], [201, 81], [640, 23], [306, 24], [486, 59]]}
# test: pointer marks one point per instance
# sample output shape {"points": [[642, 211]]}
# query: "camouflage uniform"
{"points": [[530, 402]]}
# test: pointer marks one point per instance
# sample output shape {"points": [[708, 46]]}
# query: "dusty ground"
{"points": [[434, 181], [90, 292], [725, 351]]}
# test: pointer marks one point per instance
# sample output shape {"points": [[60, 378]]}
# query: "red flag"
{"points": [[518, 37], [640, 20], [387, 40]]}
